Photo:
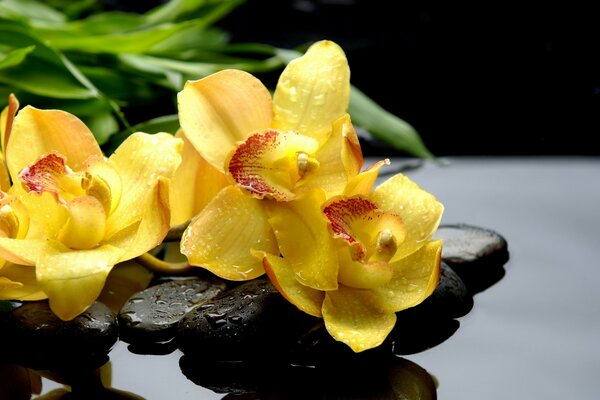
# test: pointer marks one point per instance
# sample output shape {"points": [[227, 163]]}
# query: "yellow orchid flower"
{"points": [[16, 281], [358, 258], [86, 212], [270, 150]]}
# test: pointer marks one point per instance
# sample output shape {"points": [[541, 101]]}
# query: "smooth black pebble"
{"points": [[34, 337], [152, 315], [476, 254], [251, 320]]}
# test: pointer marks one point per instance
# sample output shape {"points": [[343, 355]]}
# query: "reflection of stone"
{"points": [[476, 254], [152, 315], [40, 340], [366, 378]]}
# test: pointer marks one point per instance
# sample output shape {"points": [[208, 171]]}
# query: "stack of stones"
{"points": [[239, 326]]}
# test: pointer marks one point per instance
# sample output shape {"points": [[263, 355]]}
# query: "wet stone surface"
{"points": [[40, 340], [476, 254], [451, 298], [246, 322], [152, 315]]}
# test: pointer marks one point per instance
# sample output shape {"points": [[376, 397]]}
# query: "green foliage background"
{"points": [[120, 72]]}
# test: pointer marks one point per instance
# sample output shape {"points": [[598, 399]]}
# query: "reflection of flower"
{"points": [[270, 149], [85, 212], [333, 246]]}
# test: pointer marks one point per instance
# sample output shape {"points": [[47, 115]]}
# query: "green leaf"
{"points": [[35, 13], [106, 23], [167, 123], [137, 41], [44, 71], [45, 79], [385, 126], [195, 38], [102, 125], [14, 57], [178, 10]]}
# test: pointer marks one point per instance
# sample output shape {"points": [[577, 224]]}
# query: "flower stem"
{"points": [[156, 265], [175, 233]]}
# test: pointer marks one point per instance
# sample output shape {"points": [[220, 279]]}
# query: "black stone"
{"points": [[251, 320], [34, 337], [433, 321], [476, 254], [450, 299], [152, 315], [316, 348]]}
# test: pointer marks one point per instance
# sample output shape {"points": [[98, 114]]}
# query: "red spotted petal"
{"points": [[266, 163]]}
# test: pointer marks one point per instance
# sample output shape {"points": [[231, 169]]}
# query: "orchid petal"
{"points": [[39, 132], [420, 211], [21, 251], [86, 225], [18, 283], [6, 120], [223, 234], [357, 318], [102, 181], [46, 216], [218, 111], [267, 163], [415, 278], [141, 160], [362, 184], [305, 240], [152, 227], [313, 91], [73, 279], [283, 277], [362, 275], [359, 222], [340, 159], [50, 174], [194, 184]]}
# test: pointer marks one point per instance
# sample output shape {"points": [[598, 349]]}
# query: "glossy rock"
{"points": [[39, 339], [152, 315], [451, 298], [242, 323], [476, 254]]}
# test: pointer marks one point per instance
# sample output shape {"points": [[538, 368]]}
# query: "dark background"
{"points": [[473, 80]]}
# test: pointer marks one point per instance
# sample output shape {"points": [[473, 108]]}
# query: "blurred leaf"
{"points": [[33, 12], [14, 57], [166, 123], [73, 9], [45, 79], [385, 126], [193, 39], [102, 125], [177, 10], [44, 71], [137, 41], [106, 23]]}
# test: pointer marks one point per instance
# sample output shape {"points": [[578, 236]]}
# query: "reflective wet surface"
{"points": [[531, 334]]}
